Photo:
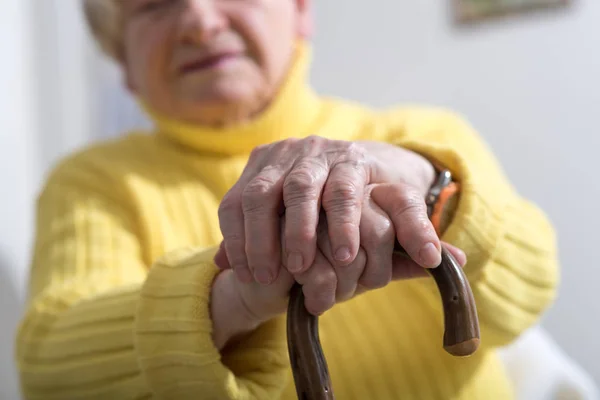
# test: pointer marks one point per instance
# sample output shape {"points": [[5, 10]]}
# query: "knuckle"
{"points": [[319, 306], [320, 289], [300, 236], [324, 283], [300, 180], [352, 154], [341, 194], [319, 302], [257, 152], [409, 202], [424, 227], [313, 140], [259, 186], [286, 145], [314, 144], [373, 281], [255, 193], [355, 151], [300, 186], [228, 205], [378, 233], [345, 190]]}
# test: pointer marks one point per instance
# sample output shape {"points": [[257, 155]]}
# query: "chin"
{"points": [[224, 100]]}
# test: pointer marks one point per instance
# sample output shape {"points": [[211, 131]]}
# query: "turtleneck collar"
{"points": [[290, 115]]}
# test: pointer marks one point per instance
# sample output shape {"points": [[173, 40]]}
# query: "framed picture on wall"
{"points": [[473, 10]]}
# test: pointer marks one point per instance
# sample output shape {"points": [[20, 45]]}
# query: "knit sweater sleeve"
{"points": [[100, 324], [510, 243]]}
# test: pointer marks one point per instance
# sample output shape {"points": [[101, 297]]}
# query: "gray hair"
{"points": [[105, 21]]}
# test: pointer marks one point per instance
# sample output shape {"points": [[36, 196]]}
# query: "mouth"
{"points": [[209, 62]]}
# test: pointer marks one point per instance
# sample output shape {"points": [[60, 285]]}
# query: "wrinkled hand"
{"points": [[297, 179], [324, 283]]}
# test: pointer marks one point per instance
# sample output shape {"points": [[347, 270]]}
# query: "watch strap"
{"points": [[441, 200]]}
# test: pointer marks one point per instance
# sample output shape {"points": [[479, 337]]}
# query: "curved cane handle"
{"points": [[461, 324], [309, 367]]}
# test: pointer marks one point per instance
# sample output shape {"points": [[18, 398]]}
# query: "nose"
{"points": [[201, 20]]}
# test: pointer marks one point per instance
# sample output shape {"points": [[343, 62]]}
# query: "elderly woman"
{"points": [[163, 261]]}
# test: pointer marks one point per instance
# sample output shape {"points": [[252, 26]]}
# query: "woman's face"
{"points": [[210, 61]]}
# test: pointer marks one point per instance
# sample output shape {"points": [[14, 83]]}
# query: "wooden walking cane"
{"points": [[309, 367]]}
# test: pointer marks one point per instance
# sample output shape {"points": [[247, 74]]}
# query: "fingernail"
{"points": [[295, 262], [263, 276], [430, 255], [463, 257], [342, 254]]}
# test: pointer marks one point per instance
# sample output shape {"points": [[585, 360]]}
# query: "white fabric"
{"points": [[540, 370]]}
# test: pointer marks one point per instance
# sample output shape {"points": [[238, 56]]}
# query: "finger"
{"points": [[377, 237], [231, 220], [261, 205], [319, 285], [457, 253], [414, 230], [347, 276], [342, 202], [301, 195], [220, 259], [406, 268]]}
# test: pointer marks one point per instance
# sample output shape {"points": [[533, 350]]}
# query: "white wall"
{"points": [[66, 64], [45, 102], [531, 85], [17, 166]]}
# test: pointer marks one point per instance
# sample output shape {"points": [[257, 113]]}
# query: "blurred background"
{"points": [[529, 83]]}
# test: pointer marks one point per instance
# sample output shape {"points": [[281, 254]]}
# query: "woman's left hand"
{"points": [[296, 179]]}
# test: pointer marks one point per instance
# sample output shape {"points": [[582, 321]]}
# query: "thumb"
{"points": [[403, 267], [406, 208]]}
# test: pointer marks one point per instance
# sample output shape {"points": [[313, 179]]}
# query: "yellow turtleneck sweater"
{"points": [[122, 268]]}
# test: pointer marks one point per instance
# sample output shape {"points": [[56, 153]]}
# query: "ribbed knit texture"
{"points": [[122, 269]]}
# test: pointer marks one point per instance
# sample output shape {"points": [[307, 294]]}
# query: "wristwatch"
{"points": [[441, 200]]}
